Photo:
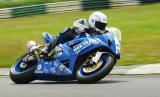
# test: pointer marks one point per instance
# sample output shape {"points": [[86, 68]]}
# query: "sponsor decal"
{"points": [[45, 70], [37, 71], [67, 70], [86, 44], [39, 67], [61, 67], [53, 70], [94, 41], [56, 63], [46, 63]]}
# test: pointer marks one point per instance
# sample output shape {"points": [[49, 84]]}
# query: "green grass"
{"points": [[16, 3], [140, 27]]}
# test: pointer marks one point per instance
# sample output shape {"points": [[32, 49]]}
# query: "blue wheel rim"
{"points": [[17, 69]]}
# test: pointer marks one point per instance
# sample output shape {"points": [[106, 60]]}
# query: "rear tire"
{"points": [[22, 76], [98, 74]]}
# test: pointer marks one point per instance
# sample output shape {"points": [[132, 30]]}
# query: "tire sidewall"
{"points": [[24, 76], [107, 67]]}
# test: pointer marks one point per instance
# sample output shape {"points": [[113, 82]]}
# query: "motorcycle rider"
{"points": [[96, 24]]}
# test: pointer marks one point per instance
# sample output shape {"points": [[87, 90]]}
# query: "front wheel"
{"points": [[22, 72], [93, 73]]}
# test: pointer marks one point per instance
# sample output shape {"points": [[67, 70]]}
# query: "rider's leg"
{"points": [[62, 38], [47, 37]]}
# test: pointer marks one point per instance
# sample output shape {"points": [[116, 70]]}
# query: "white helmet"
{"points": [[98, 21]]}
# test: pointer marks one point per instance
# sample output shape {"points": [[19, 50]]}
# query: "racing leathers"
{"points": [[80, 26]]}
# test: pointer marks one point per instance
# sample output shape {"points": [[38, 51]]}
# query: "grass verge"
{"points": [[140, 27]]}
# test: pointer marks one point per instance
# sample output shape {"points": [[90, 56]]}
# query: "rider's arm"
{"points": [[79, 26]]}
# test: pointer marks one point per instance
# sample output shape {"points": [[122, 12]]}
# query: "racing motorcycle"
{"points": [[87, 59]]}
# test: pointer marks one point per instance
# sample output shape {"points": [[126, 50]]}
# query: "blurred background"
{"points": [[23, 20]]}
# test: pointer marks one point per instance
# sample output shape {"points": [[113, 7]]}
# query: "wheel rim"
{"points": [[92, 69], [21, 66]]}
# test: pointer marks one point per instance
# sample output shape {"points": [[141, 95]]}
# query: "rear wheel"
{"points": [[94, 72], [23, 70]]}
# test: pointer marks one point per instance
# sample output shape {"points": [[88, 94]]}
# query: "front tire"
{"points": [[23, 75], [91, 76]]}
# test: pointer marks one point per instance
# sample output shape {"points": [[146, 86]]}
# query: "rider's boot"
{"points": [[48, 47], [47, 37]]}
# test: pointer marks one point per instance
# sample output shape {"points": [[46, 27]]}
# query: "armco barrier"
{"points": [[76, 5], [28, 10], [5, 13], [67, 6]]}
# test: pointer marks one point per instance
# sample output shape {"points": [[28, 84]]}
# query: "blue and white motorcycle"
{"points": [[87, 59]]}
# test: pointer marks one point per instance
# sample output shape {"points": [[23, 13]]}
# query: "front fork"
{"points": [[34, 48], [96, 58], [98, 55], [37, 55]]}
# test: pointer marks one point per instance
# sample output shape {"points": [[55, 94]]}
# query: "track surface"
{"points": [[111, 86]]}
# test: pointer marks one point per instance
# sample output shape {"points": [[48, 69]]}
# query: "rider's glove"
{"points": [[80, 25], [44, 51]]}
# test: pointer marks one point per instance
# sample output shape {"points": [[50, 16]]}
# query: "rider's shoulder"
{"points": [[81, 24]]}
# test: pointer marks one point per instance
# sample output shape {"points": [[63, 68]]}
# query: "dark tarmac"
{"points": [[110, 86]]}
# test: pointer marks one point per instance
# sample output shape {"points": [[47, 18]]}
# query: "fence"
{"points": [[66, 6]]}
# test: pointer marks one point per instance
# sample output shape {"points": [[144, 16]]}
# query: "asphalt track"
{"points": [[110, 86]]}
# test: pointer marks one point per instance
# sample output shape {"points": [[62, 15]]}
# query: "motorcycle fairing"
{"points": [[56, 70]]}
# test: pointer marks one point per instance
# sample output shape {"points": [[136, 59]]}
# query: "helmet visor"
{"points": [[100, 25]]}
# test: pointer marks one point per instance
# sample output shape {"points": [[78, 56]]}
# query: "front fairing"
{"points": [[92, 42]]}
